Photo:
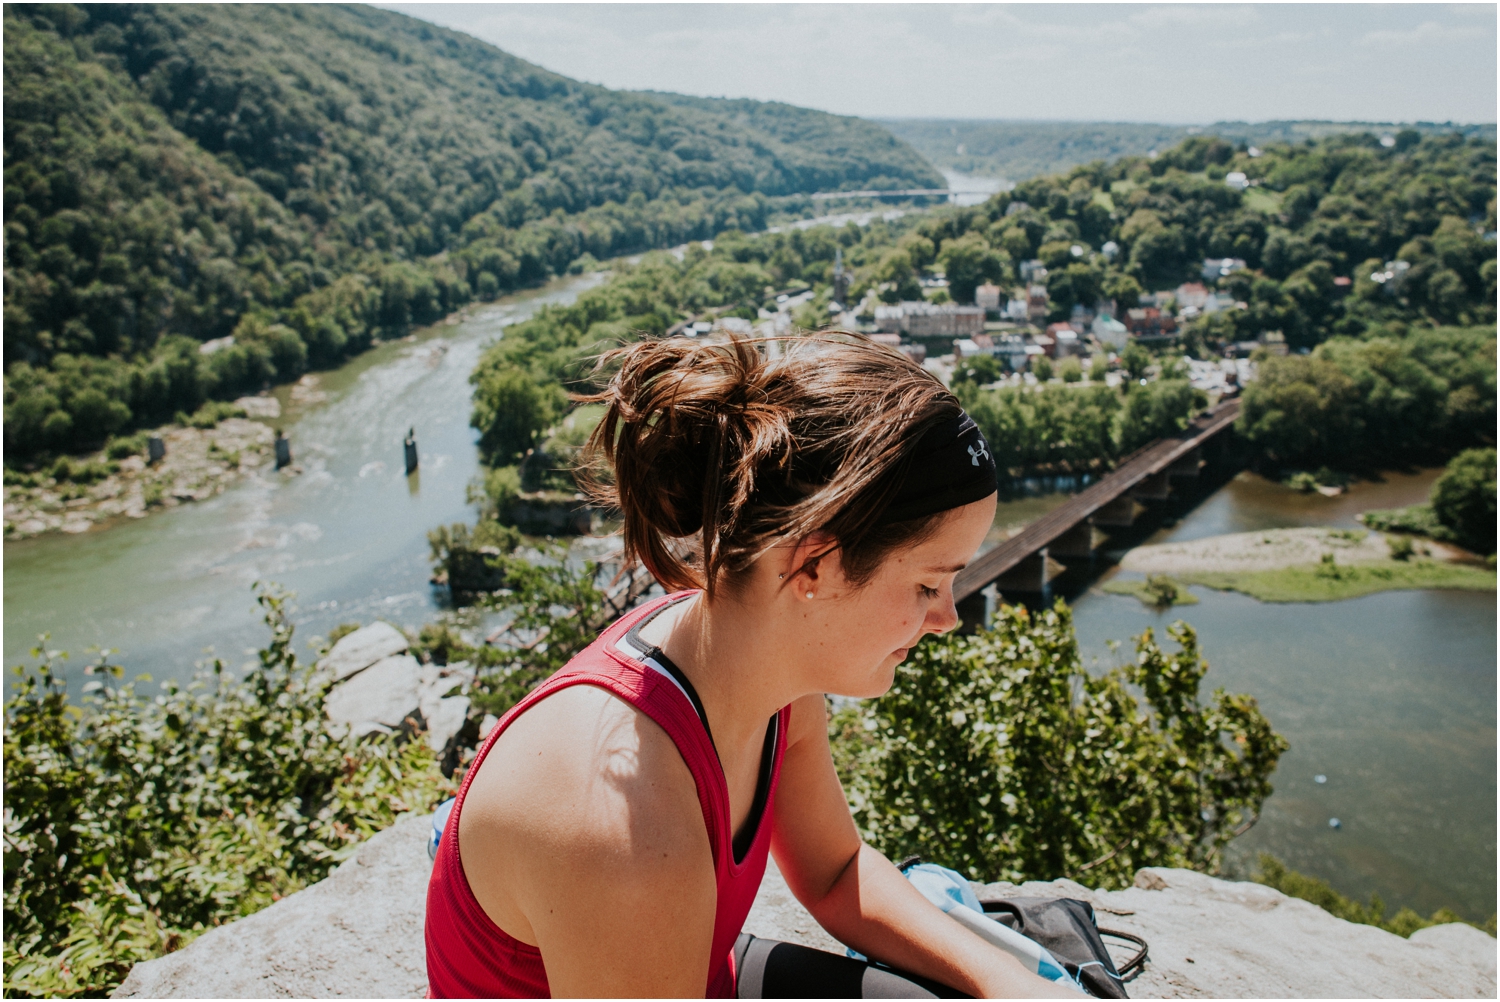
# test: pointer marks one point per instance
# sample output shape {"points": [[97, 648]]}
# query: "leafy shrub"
{"points": [[997, 754], [1302, 481], [1417, 519], [1041, 367], [134, 823], [129, 445], [1400, 546], [1071, 370], [210, 414], [1463, 499], [1162, 589]]}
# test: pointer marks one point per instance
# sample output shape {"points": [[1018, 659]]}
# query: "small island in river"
{"points": [[1307, 564]]}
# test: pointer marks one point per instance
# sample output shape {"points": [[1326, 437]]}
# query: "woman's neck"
{"points": [[737, 662]]}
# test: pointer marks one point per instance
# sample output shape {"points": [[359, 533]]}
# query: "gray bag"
{"points": [[1069, 931]]}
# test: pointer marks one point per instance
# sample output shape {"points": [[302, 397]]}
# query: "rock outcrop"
{"points": [[360, 933], [379, 687]]}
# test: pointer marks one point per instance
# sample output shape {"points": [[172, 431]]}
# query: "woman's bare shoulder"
{"points": [[581, 787]]}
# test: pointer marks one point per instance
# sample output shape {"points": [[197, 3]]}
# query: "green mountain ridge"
{"points": [[310, 178], [1020, 149]]}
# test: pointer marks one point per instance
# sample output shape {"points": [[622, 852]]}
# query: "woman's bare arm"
{"points": [[859, 896], [582, 835]]}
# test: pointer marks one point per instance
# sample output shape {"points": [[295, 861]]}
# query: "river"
{"points": [[1390, 697], [349, 535]]}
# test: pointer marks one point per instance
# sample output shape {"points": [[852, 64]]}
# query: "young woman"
{"points": [[809, 514]]}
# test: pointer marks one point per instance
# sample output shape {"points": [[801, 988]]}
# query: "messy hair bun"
{"points": [[719, 447]]}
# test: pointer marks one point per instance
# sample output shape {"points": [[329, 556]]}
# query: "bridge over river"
{"points": [[1027, 561]]}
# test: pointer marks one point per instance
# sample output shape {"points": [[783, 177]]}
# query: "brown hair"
{"points": [[715, 445]]}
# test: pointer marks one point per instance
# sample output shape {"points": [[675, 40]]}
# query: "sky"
{"points": [[1168, 63]]}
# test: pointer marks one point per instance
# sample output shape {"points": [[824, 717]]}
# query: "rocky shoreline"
{"points": [[199, 463]]}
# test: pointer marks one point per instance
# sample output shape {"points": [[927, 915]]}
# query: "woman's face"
{"points": [[867, 631]]}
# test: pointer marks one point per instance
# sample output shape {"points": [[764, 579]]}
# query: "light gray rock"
{"points": [[1224, 939], [362, 648], [379, 698], [359, 933], [1461, 941]]}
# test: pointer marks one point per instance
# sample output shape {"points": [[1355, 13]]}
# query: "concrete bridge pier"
{"points": [[1120, 513], [1157, 487], [1080, 541], [1188, 467]]}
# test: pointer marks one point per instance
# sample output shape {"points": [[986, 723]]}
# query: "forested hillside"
{"points": [[308, 178], [1020, 150]]}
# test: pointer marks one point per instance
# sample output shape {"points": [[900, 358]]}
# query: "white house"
{"points": [[1110, 331]]}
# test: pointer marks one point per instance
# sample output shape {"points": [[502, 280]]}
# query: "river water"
{"points": [[1391, 696], [349, 535]]}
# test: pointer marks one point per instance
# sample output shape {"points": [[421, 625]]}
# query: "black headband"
{"points": [[952, 467]]}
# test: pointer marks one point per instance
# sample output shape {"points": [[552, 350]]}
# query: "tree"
{"points": [[1464, 498], [968, 261], [1135, 360], [999, 755], [511, 411], [1041, 367]]}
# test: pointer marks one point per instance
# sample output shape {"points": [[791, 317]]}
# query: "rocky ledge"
{"points": [[359, 934]]}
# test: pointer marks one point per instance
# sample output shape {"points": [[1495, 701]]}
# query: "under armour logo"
{"points": [[975, 451]]}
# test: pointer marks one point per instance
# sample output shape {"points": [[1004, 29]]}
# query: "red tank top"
{"points": [[469, 956]]}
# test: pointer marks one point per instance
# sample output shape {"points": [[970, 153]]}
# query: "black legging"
{"points": [[769, 969]]}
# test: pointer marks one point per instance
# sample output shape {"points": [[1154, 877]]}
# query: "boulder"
{"points": [[380, 697], [360, 933], [362, 648]]}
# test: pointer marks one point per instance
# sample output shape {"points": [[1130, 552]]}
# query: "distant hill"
{"points": [[307, 178], [1017, 150]]}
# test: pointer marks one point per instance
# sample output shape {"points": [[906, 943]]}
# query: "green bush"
{"points": [[1071, 370], [1463, 499], [999, 755], [1400, 546], [129, 445], [135, 822], [210, 414], [1041, 368]]}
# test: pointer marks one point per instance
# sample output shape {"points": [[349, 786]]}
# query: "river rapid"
{"points": [[348, 535]]}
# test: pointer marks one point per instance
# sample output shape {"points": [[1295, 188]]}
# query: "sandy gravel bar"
{"points": [[1268, 549]]}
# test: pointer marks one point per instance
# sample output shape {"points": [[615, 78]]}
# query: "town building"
{"points": [[1018, 309], [1110, 332], [1237, 180], [1033, 271], [987, 296], [1191, 295], [923, 320], [1150, 322], [1215, 268], [1037, 303]]}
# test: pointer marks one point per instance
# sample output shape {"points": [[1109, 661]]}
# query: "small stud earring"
{"points": [[781, 577], [809, 594]]}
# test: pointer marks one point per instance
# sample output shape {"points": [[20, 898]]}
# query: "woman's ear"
{"points": [[814, 560]]}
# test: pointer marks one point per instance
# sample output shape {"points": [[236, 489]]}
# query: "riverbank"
{"points": [[1305, 565], [199, 464]]}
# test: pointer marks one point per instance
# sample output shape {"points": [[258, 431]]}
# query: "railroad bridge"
{"points": [[1028, 560]]}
